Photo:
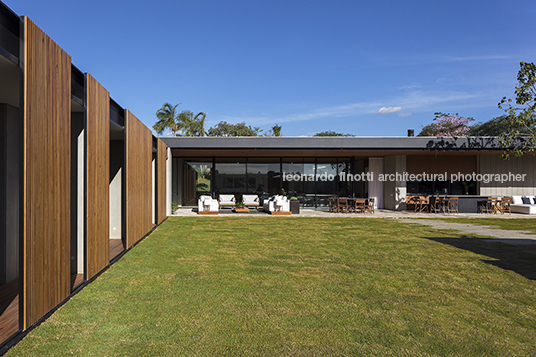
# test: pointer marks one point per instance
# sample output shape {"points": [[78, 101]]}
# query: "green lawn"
{"points": [[265, 286]]}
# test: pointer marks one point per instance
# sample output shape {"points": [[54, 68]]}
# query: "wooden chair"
{"points": [[452, 205], [438, 205], [422, 203], [370, 207], [490, 206], [505, 205], [342, 205], [332, 207], [359, 206]]}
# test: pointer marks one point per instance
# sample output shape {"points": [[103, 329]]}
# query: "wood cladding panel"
{"points": [[139, 156], [161, 179], [417, 164], [98, 176], [47, 158]]}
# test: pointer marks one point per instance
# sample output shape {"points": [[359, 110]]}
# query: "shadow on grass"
{"points": [[519, 258]]}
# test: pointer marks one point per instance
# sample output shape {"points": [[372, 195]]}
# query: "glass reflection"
{"points": [[196, 181]]}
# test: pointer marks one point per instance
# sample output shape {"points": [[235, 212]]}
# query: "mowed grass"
{"points": [[288, 286]]}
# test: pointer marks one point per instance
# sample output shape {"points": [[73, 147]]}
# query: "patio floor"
{"points": [[379, 213]]}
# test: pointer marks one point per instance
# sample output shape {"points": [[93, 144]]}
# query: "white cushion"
{"points": [[516, 200], [227, 199]]}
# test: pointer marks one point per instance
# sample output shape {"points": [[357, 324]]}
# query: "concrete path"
{"points": [[379, 213], [500, 235]]}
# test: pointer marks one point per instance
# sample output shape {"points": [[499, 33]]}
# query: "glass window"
{"points": [[326, 180], [264, 176], [302, 184], [344, 170], [230, 176], [197, 177]]}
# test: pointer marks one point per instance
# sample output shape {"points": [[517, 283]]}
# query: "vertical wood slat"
{"points": [[47, 153], [139, 155], [98, 176], [161, 179]]}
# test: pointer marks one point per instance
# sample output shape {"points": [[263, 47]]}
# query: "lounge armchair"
{"points": [[227, 200], [277, 205], [207, 205], [250, 200]]}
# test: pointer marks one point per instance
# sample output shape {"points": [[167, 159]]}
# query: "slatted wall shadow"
{"points": [[47, 155]]}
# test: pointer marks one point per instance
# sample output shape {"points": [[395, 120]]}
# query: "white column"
{"points": [[376, 186], [168, 181]]}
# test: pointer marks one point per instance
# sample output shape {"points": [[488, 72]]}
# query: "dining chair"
{"points": [[342, 205], [331, 205], [490, 206], [360, 204], [437, 205], [505, 205], [351, 205], [452, 205], [422, 203], [370, 207]]}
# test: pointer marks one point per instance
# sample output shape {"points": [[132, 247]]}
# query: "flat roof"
{"points": [[419, 143]]}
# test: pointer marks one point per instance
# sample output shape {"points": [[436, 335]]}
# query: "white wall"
{"points": [[395, 191], [376, 186], [116, 187], [168, 181]]}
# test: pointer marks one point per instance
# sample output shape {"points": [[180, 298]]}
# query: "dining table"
{"points": [[354, 204]]}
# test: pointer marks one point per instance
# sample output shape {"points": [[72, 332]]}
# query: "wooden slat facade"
{"points": [[139, 156], [47, 157], [161, 179], [98, 176]]}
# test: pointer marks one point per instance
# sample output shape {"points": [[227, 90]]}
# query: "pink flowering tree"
{"points": [[446, 124]]}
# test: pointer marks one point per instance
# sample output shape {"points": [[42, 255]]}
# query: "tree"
{"points": [[447, 125], [274, 131], [522, 116], [168, 119], [494, 127], [193, 126], [200, 123], [241, 129], [331, 133]]}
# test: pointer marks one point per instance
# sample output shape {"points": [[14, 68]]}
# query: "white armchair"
{"points": [[207, 205], [227, 200], [277, 205], [250, 200]]}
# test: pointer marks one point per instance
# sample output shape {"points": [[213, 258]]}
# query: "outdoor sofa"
{"points": [[277, 204], [525, 205], [250, 200], [227, 200], [207, 205]]}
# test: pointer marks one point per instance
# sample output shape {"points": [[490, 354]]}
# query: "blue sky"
{"points": [[308, 66]]}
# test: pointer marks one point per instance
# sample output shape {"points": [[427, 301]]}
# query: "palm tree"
{"points": [[193, 126], [200, 123], [168, 119]]}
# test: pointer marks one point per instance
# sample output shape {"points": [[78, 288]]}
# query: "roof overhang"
{"points": [[335, 143]]}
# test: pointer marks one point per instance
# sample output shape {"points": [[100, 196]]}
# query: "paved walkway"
{"points": [[500, 235], [381, 213]]}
